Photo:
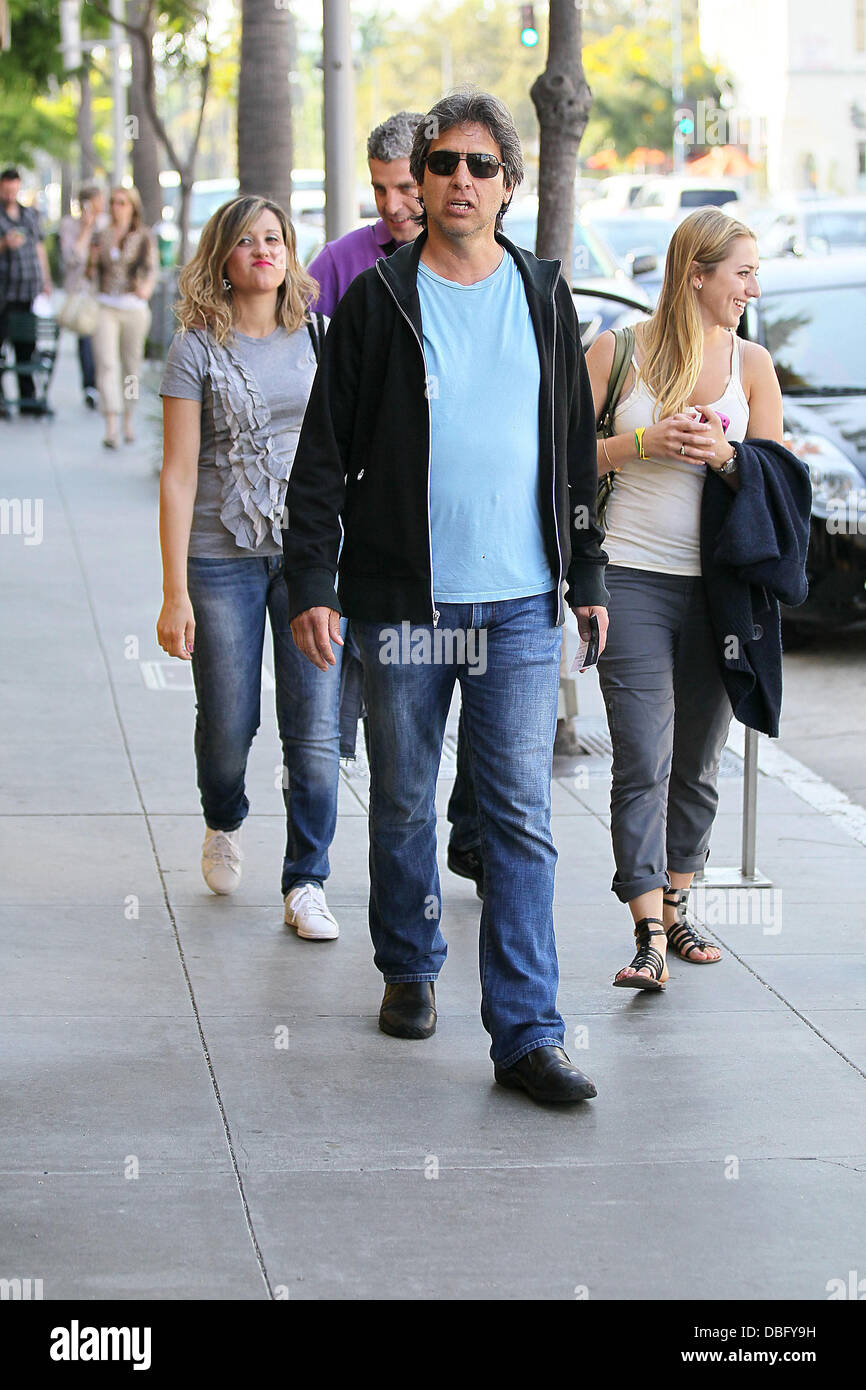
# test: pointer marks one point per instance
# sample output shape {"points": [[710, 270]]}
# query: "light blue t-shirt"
{"points": [[483, 383]]}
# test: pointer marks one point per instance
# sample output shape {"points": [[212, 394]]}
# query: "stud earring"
{"points": [[699, 284], [227, 284]]}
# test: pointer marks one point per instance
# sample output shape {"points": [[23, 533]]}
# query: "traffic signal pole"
{"points": [[677, 80]]}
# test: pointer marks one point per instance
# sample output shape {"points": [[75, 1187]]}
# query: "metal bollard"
{"points": [[747, 876]]}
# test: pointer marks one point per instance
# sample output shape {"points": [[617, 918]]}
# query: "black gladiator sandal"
{"points": [[646, 958], [682, 936]]}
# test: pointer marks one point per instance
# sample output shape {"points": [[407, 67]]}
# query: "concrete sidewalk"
{"points": [[199, 1105]]}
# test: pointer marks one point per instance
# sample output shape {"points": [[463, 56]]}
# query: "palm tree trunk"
{"points": [[145, 146], [562, 99], [264, 102]]}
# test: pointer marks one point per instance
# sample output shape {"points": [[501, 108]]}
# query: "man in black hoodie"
{"points": [[448, 460]]}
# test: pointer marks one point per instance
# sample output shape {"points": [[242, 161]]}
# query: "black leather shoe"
{"points": [[547, 1075], [467, 863], [409, 1010]]}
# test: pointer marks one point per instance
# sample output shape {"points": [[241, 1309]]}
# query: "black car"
{"points": [[810, 317]]}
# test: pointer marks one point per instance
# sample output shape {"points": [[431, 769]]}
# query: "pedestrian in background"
{"points": [[24, 274], [447, 453], [234, 390], [76, 234], [123, 266], [694, 388]]}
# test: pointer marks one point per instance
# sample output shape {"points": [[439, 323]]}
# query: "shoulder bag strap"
{"points": [[622, 355]]}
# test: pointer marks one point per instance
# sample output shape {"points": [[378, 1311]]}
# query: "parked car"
{"points": [[595, 268], [798, 226], [640, 243], [614, 194], [308, 200], [675, 197], [599, 310], [809, 318]]}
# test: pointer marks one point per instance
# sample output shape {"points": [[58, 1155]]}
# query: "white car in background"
{"points": [[308, 201], [800, 225], [614, 194], [674, 196]]}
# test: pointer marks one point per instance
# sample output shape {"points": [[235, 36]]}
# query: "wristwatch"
{"points": [[732, 464]]}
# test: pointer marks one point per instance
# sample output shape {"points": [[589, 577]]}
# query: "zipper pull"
{"points": [[436, 616]]}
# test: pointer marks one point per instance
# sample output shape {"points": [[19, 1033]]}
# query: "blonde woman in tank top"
{"points": [[660, 673]]}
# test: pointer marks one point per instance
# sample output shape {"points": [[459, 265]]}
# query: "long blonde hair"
{"points": [[672, 340], [204, 300]]}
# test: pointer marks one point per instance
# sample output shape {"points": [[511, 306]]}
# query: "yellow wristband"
{"points": [[638, 439]]}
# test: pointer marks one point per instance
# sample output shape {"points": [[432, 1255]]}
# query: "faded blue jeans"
{"points": [[231, 600], [509, 715]]}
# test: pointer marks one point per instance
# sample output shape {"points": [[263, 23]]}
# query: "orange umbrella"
{"points": [[642, 158], [602, 159], [723, 159]]}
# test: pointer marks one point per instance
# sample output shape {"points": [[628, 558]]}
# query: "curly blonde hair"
{"points": [[204, 300], [672, 341]]}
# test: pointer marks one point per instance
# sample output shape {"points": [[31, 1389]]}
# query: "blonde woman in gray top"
{"points": [[694, 389]]}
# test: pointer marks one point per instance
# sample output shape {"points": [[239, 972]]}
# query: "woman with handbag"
{"points": [[235, 388], [691, 389], [123, 267]]}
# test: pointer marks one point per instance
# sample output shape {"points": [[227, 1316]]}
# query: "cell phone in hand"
{"points": [[725, 419], [588, 651]]}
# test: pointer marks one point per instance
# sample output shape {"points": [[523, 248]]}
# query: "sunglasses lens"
{"points": [[442, 162], [482, 166]]}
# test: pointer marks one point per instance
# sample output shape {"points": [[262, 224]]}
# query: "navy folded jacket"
{"points": [[753, 557]]}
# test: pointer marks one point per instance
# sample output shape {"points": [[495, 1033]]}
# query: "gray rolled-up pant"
{"points": [[668, 714]]}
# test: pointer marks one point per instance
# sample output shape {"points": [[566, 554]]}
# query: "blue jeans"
{"points": [[231, 599], [509, 713], [88, 366], [462, 805]]}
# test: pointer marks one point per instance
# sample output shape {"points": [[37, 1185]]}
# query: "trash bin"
{"points": [[163, 323]]}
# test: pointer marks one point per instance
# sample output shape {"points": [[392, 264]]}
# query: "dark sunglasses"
{"points": [[480, 166]]}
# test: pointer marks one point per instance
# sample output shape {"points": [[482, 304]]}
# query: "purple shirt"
{"points": [[338, 263]]}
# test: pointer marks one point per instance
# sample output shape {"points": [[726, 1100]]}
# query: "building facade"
{"points": [[798, 73]]}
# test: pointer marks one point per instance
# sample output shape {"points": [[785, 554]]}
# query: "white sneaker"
{"points": [[307, 912], [221, 860]]}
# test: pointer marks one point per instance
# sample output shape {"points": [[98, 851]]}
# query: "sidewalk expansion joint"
{"points": [[788, 1005]]}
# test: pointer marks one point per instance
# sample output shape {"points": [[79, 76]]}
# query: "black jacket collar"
{"points": [[400, 272]]}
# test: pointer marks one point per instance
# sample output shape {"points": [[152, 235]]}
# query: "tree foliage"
{"points": [[30, 118], [629, 71]]}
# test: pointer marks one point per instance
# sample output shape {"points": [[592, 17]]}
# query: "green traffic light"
{"points": [[687, 126], [529, 37]]}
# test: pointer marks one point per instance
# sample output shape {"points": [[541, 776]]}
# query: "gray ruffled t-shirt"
{"points": [[250, 422]]}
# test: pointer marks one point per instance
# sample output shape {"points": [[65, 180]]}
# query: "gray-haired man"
{"points": [[396, 194]]}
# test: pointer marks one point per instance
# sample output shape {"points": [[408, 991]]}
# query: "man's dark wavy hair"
{"points": [[468, 106]]}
